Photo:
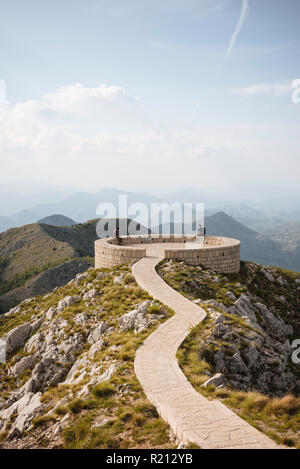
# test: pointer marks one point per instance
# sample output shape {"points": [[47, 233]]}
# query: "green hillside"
{"points": [[31, 250]]}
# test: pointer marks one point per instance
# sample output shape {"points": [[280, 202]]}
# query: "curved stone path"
{"points": [[192, 417]]}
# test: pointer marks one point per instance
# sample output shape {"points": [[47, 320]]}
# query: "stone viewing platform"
{"points": [[192, 417], [217, 253]]}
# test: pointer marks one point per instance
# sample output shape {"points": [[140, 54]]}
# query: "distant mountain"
{"points": [[17, 196], [225, 225], [254, 246], [58, 220], [19, 219], [260, 218], [32, 254], [81, 206]]}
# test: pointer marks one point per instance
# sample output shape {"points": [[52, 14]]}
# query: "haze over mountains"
{"points": [[82, 206], [263, 232]]}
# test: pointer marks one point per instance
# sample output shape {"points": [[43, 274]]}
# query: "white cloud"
{"points": [[265, 89], [97, 137]]}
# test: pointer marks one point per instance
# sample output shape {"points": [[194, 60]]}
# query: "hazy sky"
{"points": [[151, 94]]}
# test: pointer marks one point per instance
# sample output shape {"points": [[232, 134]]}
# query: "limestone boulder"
{"points": [[217, 380], [96, 347], [16, 337], [81, 318], [65, 302], [268, 275], [26, 415], [136, 319], [24, 364], [96, 333], [91, 294]]}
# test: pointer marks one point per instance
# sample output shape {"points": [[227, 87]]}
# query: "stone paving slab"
{"points": [[192, 417]]}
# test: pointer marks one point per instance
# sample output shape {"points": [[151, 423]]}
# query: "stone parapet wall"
{"points": [[108, 254], [225, 259], [217, 253]]}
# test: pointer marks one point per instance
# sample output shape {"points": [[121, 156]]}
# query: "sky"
{"points": [[152, 95]]}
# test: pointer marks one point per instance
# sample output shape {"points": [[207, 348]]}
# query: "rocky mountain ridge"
{"points": [[34, 255], [62, 351], [252, 320]]}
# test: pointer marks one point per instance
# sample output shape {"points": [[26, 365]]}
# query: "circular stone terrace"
{"points": [[217, 253]]}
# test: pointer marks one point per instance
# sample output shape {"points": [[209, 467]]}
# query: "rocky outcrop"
{"points": [[59, 345], [17, 337], [65, 302], [254, 350], [136, 319], [96, 333]]}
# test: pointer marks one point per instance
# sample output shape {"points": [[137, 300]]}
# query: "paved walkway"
{"points": [[191, 416]]}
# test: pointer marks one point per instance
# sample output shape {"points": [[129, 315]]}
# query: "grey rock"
{"points": [[24, 364], [276, 325], [280, 281], [17, 337], [35, 325], [127, 320], [65, 302], [96, 347], [217, 380], [243, 308], [136, 319], [231, 295], [103, 423], [98, 379], [32, 343], [16, 407], [251, 356], [119, 279], [219, 330], [52, 311], [26, 415], [96, 333], [143, 307], [72, 344], [268, 275], [91, 294], [237, 365], [81, 318], [220, 361], [218, 317]]}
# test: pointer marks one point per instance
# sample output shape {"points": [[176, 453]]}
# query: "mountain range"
{"points": [[82, 206], [37, 257]]}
